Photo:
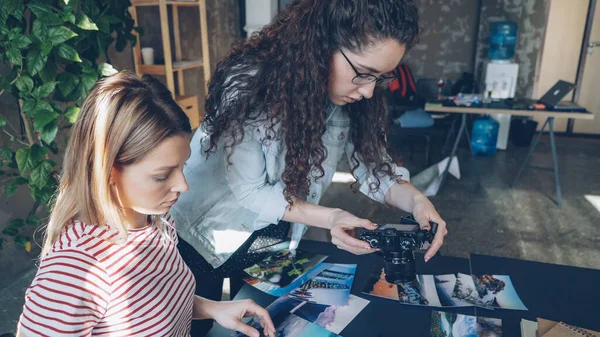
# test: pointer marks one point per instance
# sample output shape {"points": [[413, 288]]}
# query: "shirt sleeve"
{"points": [[365, 176], [68, 296], [248, 181]]}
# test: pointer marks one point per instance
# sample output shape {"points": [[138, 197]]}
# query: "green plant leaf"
{"points": [[40, 174], [60, 34], [67, 82], [2, 121], [3, 18], [40, 31], [48, 133], [11, 189], [28, 158], [16, 223], [89, 80], [41, 195], [21, 241], [33, 107], [44, 90], [32, 220], [12, 5], [46, 48], [48, 73], [6, 153], [105, 69], [23, 159], [43, 118], [69, 53], [71, 114], [10, 231], [35, 61], [19, 14], [29, 106], [14, 56], [70, 17], [24, 83], [85, 23], [20, 41], [45, 14]]}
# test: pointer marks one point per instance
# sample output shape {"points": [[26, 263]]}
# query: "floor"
{"points": [[483, 214]]}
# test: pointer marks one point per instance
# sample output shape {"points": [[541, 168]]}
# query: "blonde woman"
{"points": [[109, 264]]}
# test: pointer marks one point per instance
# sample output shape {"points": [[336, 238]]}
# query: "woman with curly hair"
{"points": [[281, 110]]}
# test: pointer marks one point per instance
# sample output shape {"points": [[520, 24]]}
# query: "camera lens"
{"points": [[399, 267]]}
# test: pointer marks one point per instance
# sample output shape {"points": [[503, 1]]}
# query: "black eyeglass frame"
{"points": [[367, 78]]}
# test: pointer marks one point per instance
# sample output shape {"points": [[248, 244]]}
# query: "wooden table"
{"points": [[488, 110]]}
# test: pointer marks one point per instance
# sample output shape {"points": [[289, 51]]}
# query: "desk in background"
{"points": [[550, 291], [488, 109]]}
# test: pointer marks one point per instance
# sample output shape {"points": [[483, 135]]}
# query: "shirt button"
{"points": [[341, 136], [314, 195]]}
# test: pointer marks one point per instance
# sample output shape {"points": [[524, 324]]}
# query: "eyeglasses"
{"points": [[362, 79]]}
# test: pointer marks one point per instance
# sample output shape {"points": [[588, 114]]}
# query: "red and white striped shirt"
{"points": [[87, 286]]}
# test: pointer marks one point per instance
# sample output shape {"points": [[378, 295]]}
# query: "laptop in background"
{"points": [[551, 99], [558, 91]]}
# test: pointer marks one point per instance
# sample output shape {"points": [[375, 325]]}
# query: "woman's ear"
{"points": [[113, 174]]}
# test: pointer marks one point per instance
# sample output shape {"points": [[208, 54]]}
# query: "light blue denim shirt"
{"points": [[226, 203]]}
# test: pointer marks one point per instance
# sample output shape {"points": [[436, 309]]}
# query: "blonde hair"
{"points": [[122, 119]]}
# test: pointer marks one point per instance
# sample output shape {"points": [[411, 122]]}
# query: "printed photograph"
{"points": [[333, 318], [282, 268], [507, 297], [378, 286], [288, 324], [444, 284], [422, 291], [330, 287], [445, 324], [466, 293], [279, 291]]}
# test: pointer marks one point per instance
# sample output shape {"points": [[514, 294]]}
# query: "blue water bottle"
{"points": [[503, 40], [484, 136]]}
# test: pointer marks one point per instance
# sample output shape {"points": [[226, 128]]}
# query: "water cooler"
{"points": [[501, 73]]}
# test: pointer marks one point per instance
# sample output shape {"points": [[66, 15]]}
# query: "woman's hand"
{"points": [[230, 313], [423, 212], [342, 227]]}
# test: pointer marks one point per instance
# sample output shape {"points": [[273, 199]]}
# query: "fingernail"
{"points": [[427, 258], [376, 225], [255, 334]]}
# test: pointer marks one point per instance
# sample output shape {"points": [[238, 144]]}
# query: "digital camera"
{"points": [[397, 243]]}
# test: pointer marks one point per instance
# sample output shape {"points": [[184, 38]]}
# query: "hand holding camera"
{"points": [[397, 243]]}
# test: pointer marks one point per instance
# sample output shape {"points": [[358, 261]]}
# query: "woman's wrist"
{"points": [[202, 308], [334, 214]]}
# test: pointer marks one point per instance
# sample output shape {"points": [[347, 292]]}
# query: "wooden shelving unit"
{"points": [[170, 67]]}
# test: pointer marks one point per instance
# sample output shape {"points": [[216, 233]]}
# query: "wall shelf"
{"points": [[174, 64]]}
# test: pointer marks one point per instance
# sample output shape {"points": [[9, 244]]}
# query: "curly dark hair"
{"points": [[279, 76]]}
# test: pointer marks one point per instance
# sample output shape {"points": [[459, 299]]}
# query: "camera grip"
{"points": [[434, 227]]}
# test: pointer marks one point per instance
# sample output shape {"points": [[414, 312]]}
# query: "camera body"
{"points": [[397, 243]]}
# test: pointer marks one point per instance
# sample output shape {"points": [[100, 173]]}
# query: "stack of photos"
{"points": [[323, 302], [295, 317], [282, 272], [290, 326], [460, 290], [331, 287], [281, 268], [445, 324]]}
